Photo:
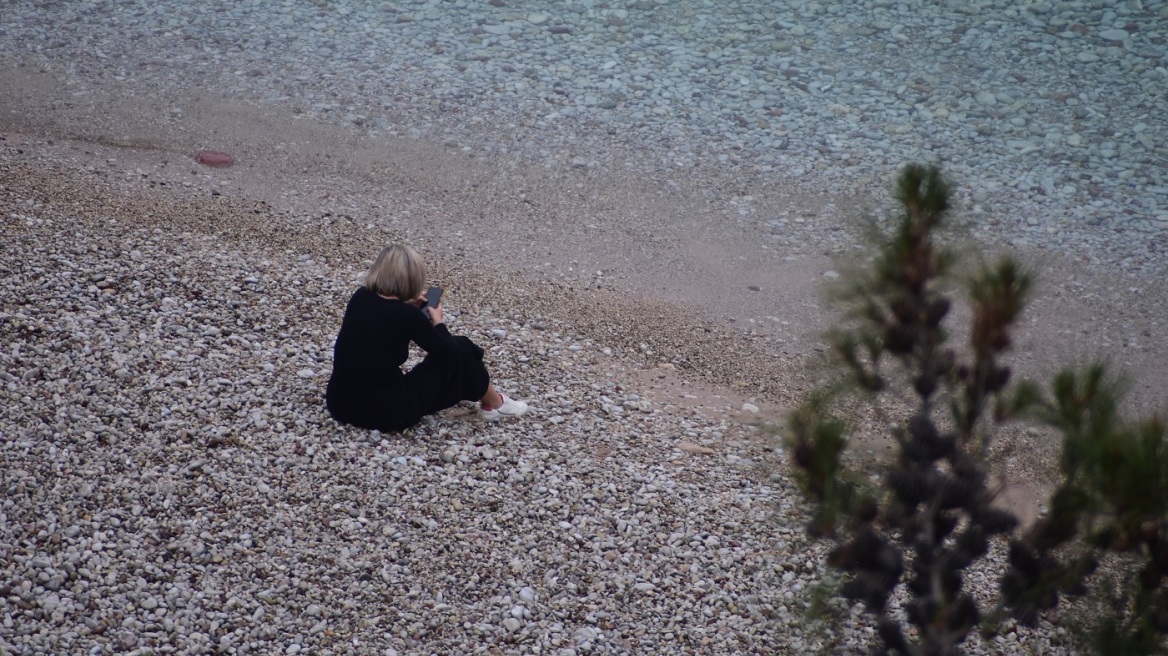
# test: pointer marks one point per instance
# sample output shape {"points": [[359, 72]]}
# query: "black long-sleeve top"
{"points": [[375, 337], [370, 350]]}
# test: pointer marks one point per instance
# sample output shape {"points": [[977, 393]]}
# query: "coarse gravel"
{"points": [[174, 485]]}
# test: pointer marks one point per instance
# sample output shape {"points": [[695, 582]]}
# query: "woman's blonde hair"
{"points": [[397, 271]]}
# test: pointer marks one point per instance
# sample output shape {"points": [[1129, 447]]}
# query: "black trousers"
{"points": [[433, 385]]}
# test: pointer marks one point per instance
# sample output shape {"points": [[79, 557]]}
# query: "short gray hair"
{"points": [[398, 271]]}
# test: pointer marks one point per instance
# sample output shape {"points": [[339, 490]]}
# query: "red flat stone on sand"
{"points": [[214, 158]]}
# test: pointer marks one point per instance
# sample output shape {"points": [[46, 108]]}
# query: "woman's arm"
{"points": [[435, 339]]}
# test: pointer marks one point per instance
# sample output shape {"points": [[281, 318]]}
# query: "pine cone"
{"points": [[925, 384], [899, 339], [892, 635], [943, 525], [910, 487], [998, 379], [871, 590], [904, 309], [936, 312], [1025, 562], [971, 545], [963, 615], [958, 492], [995, 520]]}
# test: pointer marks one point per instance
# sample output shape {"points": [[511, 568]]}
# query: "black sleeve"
{"points": [[434, 340]]}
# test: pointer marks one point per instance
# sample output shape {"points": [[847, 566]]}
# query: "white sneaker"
{"points": [[510, 408]]}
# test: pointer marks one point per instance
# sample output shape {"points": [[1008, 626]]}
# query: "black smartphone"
{"points": [[433, 297]]}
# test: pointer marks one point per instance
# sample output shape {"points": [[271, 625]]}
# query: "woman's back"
{"points": [[374, 341]]}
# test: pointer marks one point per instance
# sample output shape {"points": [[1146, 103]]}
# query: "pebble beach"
{"points": [[172, 482]]}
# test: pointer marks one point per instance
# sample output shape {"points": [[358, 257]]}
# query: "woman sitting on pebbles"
{"points": [[368, 388]]}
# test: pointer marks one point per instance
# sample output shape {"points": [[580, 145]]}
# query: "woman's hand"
{"points": [[418, 301], [436, 315]]}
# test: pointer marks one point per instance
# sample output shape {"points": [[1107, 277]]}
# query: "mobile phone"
{"points": [[433, 297]]}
